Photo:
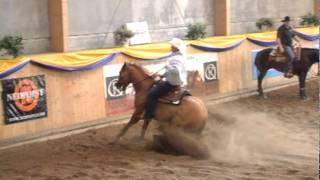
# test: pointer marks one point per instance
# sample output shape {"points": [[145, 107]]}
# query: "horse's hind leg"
{"points": [[185, 143], [302, 84], [260, 78], [161, 144]]}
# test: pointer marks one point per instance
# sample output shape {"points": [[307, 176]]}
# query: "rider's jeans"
{"points": [[290, 54], [157, 91]]}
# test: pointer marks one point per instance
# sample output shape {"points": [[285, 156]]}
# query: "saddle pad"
{"points": [[277, 56], [174, 97]]}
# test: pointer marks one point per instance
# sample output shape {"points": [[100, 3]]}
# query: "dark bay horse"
{"points": [[309, 56], [191, 115]]}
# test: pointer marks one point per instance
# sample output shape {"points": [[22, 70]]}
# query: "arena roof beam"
{"points": [[58, 22], [222, 17], [317, 7]]}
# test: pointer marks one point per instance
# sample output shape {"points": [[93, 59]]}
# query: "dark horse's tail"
{"points": [[262, 58]]}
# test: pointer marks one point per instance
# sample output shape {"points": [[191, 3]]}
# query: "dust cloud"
{"points": [[236, 135]]}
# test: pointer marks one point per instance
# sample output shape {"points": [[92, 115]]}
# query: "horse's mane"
{"points": [[313, 52], [310, 49], [141, 69]]}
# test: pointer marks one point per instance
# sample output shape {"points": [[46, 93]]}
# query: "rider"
{"points": [[285, 35], [175, 76]]}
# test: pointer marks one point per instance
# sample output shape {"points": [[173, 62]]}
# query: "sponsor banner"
{"points": [[24, 98], [271, 72]]}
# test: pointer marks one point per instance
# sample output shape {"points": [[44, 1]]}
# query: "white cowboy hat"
{"points": [[179, 44]]}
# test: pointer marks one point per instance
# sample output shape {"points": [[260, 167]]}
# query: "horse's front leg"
{"points": [[144, 128], [136, 116], [260, 78], [302, 84]]}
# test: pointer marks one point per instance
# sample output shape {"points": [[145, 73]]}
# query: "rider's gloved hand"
{"points": [[281, 49]]}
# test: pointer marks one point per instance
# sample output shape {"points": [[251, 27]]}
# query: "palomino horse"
{"points": [[190, 116], [309, 56]]}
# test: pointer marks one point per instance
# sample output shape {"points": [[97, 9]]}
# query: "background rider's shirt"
{"points": [[285, 33]]}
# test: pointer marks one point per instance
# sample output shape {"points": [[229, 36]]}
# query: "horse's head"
{"points": [[124, 77]]}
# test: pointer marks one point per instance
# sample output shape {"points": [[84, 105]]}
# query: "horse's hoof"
{"points": [[305, 98], [263, 96], [112, 143], [138, 138]]}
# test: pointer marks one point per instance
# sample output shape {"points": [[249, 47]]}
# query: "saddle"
{"points": [[175, 96], [277, 56]]}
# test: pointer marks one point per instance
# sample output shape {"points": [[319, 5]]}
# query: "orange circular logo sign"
{"points": [[27, 95]]}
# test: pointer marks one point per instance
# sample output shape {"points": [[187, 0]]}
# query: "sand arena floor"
{"points": [[250, 138]]}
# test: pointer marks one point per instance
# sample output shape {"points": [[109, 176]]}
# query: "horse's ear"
{"points": [[128, 63], [125, 65]]}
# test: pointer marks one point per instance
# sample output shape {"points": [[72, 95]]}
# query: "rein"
{"points": [[149, 76]]}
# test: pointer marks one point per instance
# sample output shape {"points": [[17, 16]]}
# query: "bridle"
{"points": [[147, 77]]}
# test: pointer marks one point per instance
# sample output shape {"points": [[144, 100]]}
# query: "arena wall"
{"points": [[76, 98]]}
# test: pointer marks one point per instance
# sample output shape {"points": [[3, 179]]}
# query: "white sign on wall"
{"points": [[141, 32], [111, 73], [205, 64]]}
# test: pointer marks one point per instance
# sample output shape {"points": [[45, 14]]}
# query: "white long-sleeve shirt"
{"points": [[175, 70]]}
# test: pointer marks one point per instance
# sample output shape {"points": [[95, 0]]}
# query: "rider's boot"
{"points": [[289, 73]]}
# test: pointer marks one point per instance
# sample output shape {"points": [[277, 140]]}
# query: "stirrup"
{"points": [[288, 75], [148, 117]]}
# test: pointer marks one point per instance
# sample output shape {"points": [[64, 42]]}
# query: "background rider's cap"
{"points": [[286, 19], [177, 43]]}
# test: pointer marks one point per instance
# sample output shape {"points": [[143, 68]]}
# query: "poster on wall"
{"points": [[112, 91], [117, 101], [24, 98], [111, 75], [210, 71]]}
